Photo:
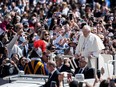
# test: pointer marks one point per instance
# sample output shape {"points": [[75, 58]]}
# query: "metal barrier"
{"points": [[71, 60], [107, 57], [25, 81]]}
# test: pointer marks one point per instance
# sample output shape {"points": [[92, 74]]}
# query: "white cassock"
{"points": [[17, 50], [91, 45]]}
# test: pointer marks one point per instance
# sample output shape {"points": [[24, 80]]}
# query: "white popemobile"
{"points": [[28, 80]]}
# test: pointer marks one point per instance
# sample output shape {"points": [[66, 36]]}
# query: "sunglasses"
{"points": [[46, 34], [53, 48]]}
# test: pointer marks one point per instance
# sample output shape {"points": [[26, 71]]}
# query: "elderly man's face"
{"points": [[85, 32], [20, 27], [58, 62], [82, 63]]}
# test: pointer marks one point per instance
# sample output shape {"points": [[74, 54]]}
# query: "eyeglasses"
{"points": [[53, 48]]}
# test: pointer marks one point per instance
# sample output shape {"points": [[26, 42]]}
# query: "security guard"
{"points": [[35, 66]]}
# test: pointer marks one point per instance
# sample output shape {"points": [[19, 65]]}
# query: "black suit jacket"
{"points": [[88, 72], [65, 68], [54, 77]]}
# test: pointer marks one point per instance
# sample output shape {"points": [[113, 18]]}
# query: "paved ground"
{"points": [[3, 81]]}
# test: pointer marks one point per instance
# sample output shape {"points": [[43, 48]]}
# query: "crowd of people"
{"points": [[53, 36]]}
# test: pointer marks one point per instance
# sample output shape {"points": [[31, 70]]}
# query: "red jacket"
{"points": [[3, 25]]}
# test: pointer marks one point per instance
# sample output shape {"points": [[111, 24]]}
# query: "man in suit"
{"points": [[51, 66], [84, 69], [61, 66]]}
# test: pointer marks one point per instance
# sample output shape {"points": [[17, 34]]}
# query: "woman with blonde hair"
{"points": [[45, 36], [44, 41]]}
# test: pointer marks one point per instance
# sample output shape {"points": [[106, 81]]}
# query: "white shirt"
{"points": [[57, 40], [60, 67], [17, 50], [53, 71], [65, 11]]}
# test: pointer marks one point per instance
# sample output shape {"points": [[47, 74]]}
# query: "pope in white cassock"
{"points": [[90, 45]]}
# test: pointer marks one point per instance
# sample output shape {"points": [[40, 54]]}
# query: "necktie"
{"points": [[80, 70], [58, 69], [50, 75]]}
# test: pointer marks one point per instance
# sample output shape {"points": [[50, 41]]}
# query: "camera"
{"points": [[7, 68]]}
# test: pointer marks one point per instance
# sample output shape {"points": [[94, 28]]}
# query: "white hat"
{"points": [[39, 52]]}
